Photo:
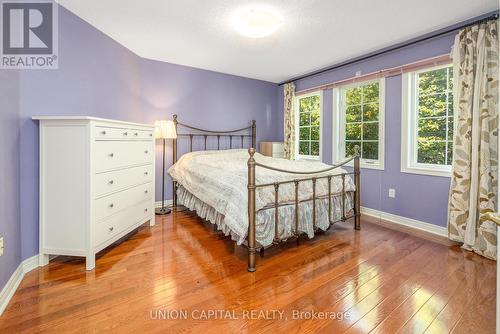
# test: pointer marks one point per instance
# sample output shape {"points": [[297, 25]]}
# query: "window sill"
{"points": [[427, 171], [365, 165], [308, 157]]}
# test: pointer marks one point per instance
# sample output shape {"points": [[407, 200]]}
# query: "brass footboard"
{"points": [[252, 187]]}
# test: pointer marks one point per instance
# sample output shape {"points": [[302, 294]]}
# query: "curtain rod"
{"points": [[387, 72], [479, 19]]}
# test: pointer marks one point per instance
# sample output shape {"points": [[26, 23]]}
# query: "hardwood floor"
{"points": [[376, 280]]}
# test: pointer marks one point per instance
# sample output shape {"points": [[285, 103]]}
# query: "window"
{"points": [[308, 126], [359, 119], [427, 128]]}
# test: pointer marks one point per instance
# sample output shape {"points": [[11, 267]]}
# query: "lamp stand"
{"points": [[163, 210]]}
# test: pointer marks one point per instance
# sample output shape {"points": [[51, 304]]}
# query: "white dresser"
{"points": [[96, 184]]}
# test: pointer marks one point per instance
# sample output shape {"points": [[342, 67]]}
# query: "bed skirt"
{"points": [[265, 217]]}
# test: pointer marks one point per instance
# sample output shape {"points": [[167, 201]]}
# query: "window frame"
{"points": [[339, 125], [297, 126], [409, 140]]}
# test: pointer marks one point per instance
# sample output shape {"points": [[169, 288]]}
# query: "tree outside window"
{"points": [[309, 111]]}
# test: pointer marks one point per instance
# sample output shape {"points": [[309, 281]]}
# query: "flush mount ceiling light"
{"points": [[256, 22]]}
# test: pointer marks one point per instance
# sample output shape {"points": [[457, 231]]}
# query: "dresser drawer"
{"points": [[143, 134], [117, 180], [109, 205], [121, 221], [105, 133], [111, 155], [112, 133]]}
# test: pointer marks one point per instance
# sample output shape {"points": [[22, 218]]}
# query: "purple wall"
{"points": [[99, 77], [9, 174], [419, 197], [207, 100]]}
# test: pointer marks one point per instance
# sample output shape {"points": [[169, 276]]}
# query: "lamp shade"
{"points": [[165, 130]]}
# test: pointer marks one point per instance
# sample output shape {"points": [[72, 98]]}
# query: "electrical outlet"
{"points": [[392, 193], [1, 246]]}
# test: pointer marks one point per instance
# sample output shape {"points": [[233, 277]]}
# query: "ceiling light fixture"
{"points": [[256, 22]]}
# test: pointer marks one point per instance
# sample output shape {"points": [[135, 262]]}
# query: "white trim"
{"points": [[407, 222], [408, 124], [297, 124], [88, 118], [15, 279], [167, 203], [338, 126]]}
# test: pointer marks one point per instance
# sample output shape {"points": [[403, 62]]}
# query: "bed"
{"points": [[259, 201]]}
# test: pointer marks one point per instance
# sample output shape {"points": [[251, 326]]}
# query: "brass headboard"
{"points": [[193, 132]]}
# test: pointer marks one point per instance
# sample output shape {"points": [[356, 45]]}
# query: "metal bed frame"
{"points": [[252, 186]]}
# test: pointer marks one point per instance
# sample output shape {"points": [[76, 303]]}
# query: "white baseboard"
{"points": [[407, 222], [167, 203], [389, 217], [15, 279]]}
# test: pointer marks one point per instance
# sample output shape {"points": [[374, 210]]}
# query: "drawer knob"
{"points": [[111, 205], [111, 228], [146, 210], [146, 173], [103, 132], [111, 182], [111, 155], [136, 134], [125, 133], [151, 135], [146, 152], [145, 191]]}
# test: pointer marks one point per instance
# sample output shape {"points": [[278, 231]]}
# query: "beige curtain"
{"points": [[474, 183], [289, 123]]}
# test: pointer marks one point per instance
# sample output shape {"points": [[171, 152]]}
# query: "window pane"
{"points": [[353, 96], [308, 124], [314, 133], [353, 131], [370, 112], [450, 78], [362, 120], [315, 117], [432, 81], [305, 133], [315, 148], [349, 147], [370, 131], [303, 147], [370, 150], [450, 104], [309, 104], [353, 114], [431, 152], [304, 119], [450, 153], [370, 92], [432, 128], [431, 105], [450, 128]]}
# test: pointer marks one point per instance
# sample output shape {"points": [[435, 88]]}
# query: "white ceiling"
{"points": [[315, 33]]}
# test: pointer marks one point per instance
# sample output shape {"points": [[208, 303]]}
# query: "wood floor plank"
{"points": [[387, 279]]}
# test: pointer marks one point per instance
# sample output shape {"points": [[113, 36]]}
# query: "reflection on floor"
{"points": [[182, 276]]}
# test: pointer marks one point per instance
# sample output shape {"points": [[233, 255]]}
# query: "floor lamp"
{"points": [[164, 130]]}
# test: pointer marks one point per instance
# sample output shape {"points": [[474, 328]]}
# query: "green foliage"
{"points": [[435, 116], [362, 114], [309, 114]]}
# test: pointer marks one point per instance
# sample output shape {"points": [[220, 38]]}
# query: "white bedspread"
{"points": [[219, 179]]}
